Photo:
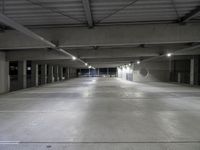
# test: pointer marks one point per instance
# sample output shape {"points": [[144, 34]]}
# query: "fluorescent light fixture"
{"points": [[73, 58], [169, 54], [129, 64], [90, 67], [86, 64], [138, 62]]}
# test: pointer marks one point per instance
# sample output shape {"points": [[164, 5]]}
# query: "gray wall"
{"points": [[151, 71], [146, 72], [4, 85]]}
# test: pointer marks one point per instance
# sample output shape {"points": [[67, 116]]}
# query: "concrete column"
{"points": [[43, 73], [50, 74], [179, 77], [71, 73], [171, 70], [55, 73], [194, 70], [98, 71], [80, 74], [4, 74], [60, 72], [22, 74], [34, 74], [66, 73]]}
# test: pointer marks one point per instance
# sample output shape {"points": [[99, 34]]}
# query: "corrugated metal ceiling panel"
{"points": [[52, 12], [34, 12]]}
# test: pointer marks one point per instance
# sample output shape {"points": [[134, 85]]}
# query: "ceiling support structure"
{"points": [[177, 52], [190, 15], [88, 13], [7, 21]]}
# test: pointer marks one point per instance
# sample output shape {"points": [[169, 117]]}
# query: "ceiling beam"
{"points": [[9, 22], [114, 36], [177, 52], [88, 13], [190, 15]]}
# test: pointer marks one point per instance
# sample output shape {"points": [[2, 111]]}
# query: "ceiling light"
{"points": [[138, 62], [86, 64], [169, 54], [129, 64], [90, 67], [73, 58]]}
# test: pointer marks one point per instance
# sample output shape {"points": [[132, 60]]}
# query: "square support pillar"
{"points": [[66, 73], [43, 73], [55, 73], [194, 71], [98, 72], [50, 74], [22, 74], [73, 72], [60, 72], [34, 74], [89, 72], [171, 70], [4, 74]]}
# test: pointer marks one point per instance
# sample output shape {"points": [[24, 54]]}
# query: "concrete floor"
{"points": [[101, 114]]}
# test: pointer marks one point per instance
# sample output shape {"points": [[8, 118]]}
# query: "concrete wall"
{"points": [[152, 71], [4, 78], [146, 72]]}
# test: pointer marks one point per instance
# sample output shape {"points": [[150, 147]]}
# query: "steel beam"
{"points": [[9, 22], [88, 13], [190, 15], [4, 19]]}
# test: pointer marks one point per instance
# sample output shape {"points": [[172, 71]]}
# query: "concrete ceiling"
{"points": [[119, 32]]}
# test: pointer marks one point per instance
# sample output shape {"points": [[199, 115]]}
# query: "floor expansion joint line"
{"points": [[110, 142]]}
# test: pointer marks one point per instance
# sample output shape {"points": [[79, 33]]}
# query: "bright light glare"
{"points": [[73, 57], [90, 67], [169, 54], [129, 64], [138, 62], [86, 64]]}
